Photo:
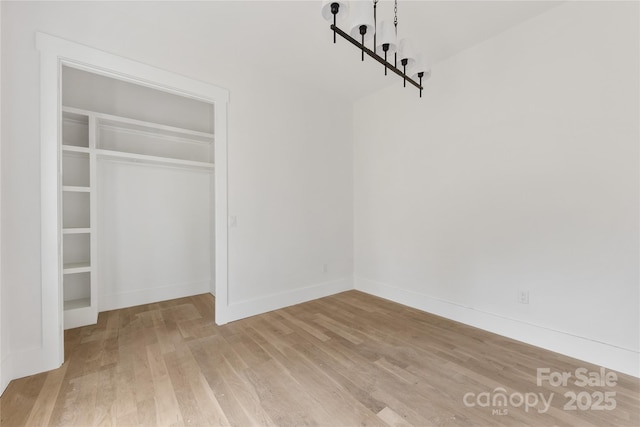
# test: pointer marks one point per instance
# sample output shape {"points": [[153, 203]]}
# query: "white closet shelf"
{"points": [[139, 123], [76, 267], [76, 189], [75, 304], [152, 159], [75, 148], [76, 230]]}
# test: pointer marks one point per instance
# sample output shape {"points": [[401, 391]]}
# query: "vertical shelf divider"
{"points": [[93, 211], [80, 307]]}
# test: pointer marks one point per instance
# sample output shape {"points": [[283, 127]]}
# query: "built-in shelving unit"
{"points": [[77, 195], [88, 136]]}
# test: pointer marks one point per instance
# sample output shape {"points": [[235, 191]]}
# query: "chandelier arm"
{"points": [[375, 25], [385, 62], [334, 24], [404, 72], [373, 55]]}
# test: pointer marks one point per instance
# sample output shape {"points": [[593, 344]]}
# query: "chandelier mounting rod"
{"points": [[375, 56]]}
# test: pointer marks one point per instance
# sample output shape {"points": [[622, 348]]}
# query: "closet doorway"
{"points": [[137, 191], [133, 190]]}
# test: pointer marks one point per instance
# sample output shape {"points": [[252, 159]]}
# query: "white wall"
{"points": [[290, 180], [517, 170]]}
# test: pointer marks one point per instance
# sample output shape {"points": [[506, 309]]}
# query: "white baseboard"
{"points": [[582, 348], [5, 373], [151, 295], [24, 363], [272, 302]]}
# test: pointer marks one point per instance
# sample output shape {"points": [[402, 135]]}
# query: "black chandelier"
{"points": [[385, 38]]}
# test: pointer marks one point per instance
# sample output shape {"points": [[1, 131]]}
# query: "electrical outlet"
{"points": [[523, 297]]}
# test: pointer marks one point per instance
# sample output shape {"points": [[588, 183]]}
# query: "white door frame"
{"points": [[55, 52]]}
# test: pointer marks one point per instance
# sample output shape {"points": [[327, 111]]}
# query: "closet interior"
{"points": [[136, 192]]}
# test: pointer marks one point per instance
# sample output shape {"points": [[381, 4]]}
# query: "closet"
{"points": [[136, 192]]}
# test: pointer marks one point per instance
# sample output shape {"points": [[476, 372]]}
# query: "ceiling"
{"points": [[292, 39], [284, 38]]}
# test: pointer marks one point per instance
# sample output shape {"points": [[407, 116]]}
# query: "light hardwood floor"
{"points": [[345, 360]]}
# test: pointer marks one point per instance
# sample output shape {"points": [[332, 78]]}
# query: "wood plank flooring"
{"points": [[346, 360]]}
